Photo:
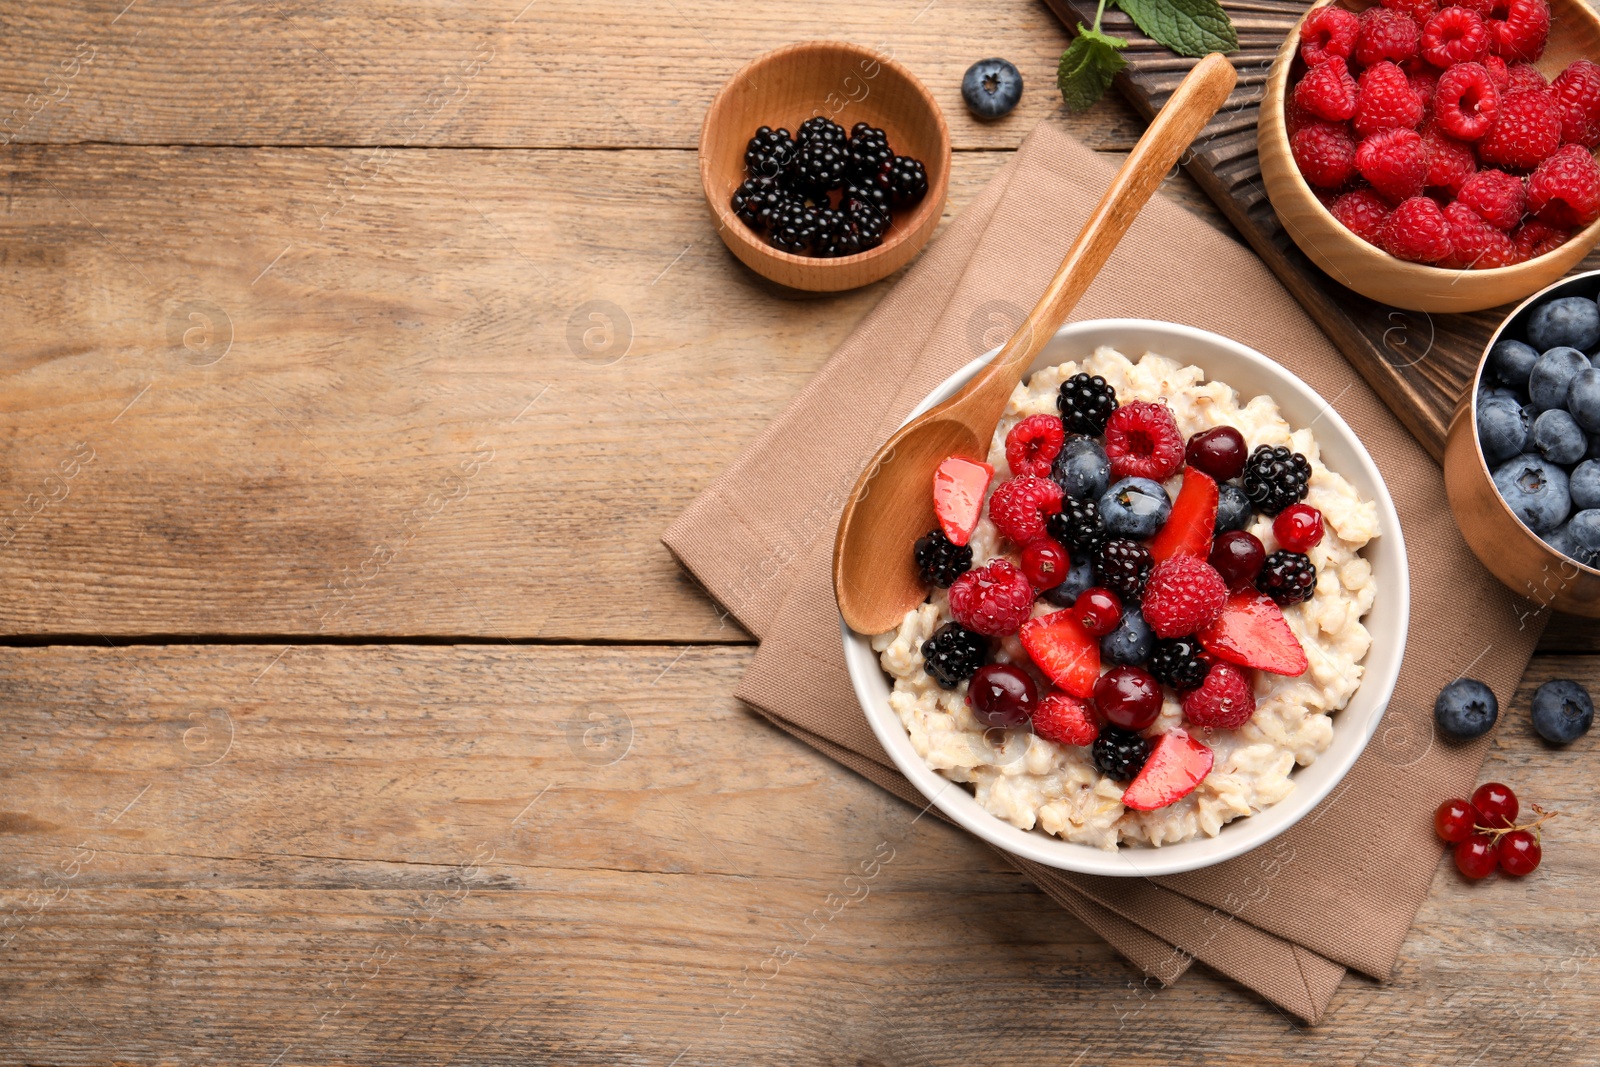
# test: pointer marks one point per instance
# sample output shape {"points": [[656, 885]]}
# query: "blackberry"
{"points": [[905, 179], [869, 150], [768, 152], [1086, 402], [1288, 577], [939, 561], [1077, 525], [855, 227], [821, 128], [867, 190], [795, 228], [953, 654], [1120, 754], [1275, 477], [1122, 566], [1176, 661], [756, 202], [818, 167]]}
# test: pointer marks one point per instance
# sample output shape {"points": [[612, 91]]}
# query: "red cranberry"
{"points": [[1002, 695], [1128, 697], [1098, 610], [1219, 452], [1298, 527], [1238, 555], [1497, 804], [1045, 563]]}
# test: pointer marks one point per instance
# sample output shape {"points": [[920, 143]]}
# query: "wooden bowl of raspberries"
{"points": [[825, 165], [1437, 157]]}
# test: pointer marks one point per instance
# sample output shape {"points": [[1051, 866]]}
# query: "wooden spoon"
{"points": [[874, 575]]}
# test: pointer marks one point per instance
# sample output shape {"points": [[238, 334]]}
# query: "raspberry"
{"points": [[1466, 101], [1425, 83], [1417, 231], [1481, 8], [1527, 132], [1225, 700], [1450, 162], [1362, 212], [1394, 162], [1328, 33], [1419, 10], [1325, 153], [1565, 190], [1497, 197], [1385, 35], [1018, 508], [1182, 595], [1327, 92], [1033, 444], [994, 600], [1455, 35], [1498, 72], [1386, 101], [1577, 94], [1142, 441], [1474, 244], [1066, 720], [1523, 76], [1533, 239], [1523, 31]]}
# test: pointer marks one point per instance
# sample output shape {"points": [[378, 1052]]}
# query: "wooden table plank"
{"points": [[359, 877]]}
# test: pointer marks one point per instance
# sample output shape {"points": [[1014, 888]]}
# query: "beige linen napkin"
{"points": [[1341, 888]]}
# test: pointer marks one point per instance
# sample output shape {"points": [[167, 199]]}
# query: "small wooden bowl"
{"points": [[1512, 552], [848, 84], [1574, 34]]}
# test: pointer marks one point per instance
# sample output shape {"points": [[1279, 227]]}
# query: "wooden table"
{"points": [[356, 357]]}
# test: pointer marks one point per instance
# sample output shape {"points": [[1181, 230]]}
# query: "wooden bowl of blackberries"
{"points": [[825, 165]]}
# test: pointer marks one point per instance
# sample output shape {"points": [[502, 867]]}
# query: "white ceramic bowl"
{"points": [[1250, 373]]}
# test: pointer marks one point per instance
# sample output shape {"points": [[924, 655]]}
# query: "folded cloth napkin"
{"points": [[1337, 891]]}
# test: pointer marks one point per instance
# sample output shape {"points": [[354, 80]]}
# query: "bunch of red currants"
{"points": [[1486, 834]]}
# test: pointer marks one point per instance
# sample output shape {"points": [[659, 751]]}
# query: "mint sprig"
{"points": [[1188, 27]]}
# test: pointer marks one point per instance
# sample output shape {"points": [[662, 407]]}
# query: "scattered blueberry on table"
{"points": [[1562, 711], [991, 88], [1466, 708]]}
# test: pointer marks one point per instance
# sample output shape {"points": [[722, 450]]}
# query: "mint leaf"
{"points": [[1087, 67], [1188, 27]]}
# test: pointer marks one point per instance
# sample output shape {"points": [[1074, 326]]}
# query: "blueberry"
{"points": [[1131, 642], [1081, 468], [1135, 507], [1512, 361], [1557, 437], [991, 88], [1502, 428], [1560, 539], [1584, 485], [1535, 490], [1466, 708], [1571, 322], [1552, 376], [1584, 529], [1583, 399], [1562, 711], [1234, 510], [1080, 576]]}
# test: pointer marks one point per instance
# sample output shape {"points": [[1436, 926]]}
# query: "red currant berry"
{"points": [[1219, 451], [1456, 820], [1497, 804], [1238, 557], [1002, 695], [1518, 853], [1128, 697], [1298, 527], [1045, 563], [1098, 610], [1475, 857]]}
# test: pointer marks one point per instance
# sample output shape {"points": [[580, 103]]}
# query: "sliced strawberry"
{"points": [[1064, 651], [1193, 520], [1251, 632], [1176, 765], [958, 487]]}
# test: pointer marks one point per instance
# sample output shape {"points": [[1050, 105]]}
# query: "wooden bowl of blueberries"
{"points": [[825, 165], [1522, 460]]}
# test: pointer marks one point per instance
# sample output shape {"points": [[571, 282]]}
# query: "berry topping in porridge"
{"points": [[1137, 631]]}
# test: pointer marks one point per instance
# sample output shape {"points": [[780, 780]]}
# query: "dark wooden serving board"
{"points": [[1418, 362]]}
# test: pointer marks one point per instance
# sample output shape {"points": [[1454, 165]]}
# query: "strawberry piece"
{"points": [[1251, 632], [1067, 654], [1066, 720], [1176, 765], [1193, 520], [958, 487]]}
